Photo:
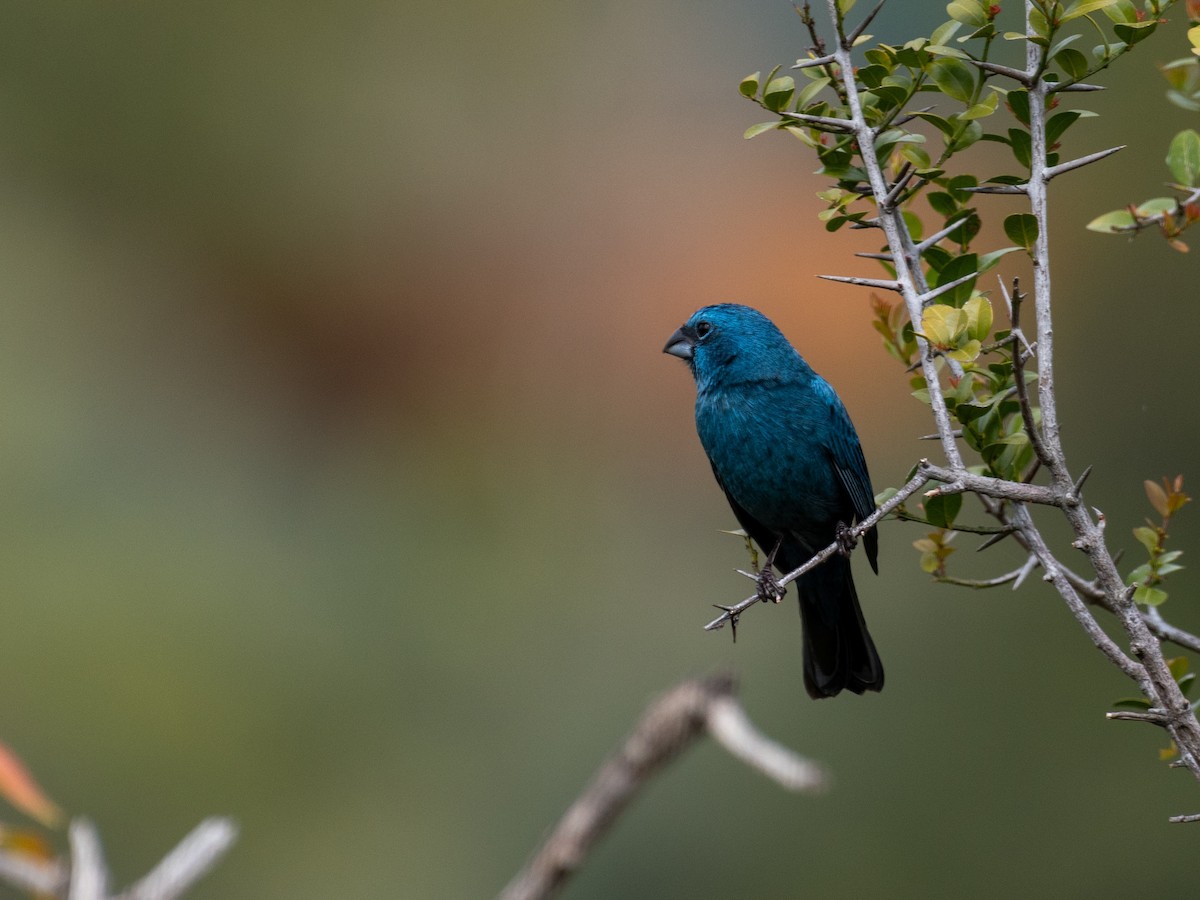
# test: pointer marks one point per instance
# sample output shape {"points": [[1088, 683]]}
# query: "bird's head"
{"points": [[729, 343]]}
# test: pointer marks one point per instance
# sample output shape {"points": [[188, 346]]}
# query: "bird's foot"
{"points": [[845, 538], [769, 588]]}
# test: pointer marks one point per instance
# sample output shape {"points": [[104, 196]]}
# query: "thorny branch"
{"points": [[1010, 502]]}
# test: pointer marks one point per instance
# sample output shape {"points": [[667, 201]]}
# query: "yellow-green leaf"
{"points": [[1119, 221], [983, 109], [1183, 157], [979, 318], [1083, 7], [943, 326]]}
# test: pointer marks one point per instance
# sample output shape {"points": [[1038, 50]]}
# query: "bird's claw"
{"points": [[845, 538], [769, 588]]}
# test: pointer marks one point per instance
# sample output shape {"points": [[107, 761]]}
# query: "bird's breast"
{"points": [[768, 451]]}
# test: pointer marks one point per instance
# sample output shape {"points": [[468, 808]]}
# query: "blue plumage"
{"points": [[786, 454]]}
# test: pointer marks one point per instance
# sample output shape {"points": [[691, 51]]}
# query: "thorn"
{"points": [[811, 63], [886, 257], [938, 235], [943, 288], [1017, 75], [820, 121], [1030, 565], [1077, 86], [998, 189], [733, 620], [1055, 171], [912, 115], [1079, 483], [882, 283], [906, 174], [994, 540], [862, 26]]}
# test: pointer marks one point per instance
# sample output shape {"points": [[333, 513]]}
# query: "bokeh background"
{"points": [[347, 492]]}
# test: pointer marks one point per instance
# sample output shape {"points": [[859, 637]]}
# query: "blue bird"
{"points": [[785, 452]]}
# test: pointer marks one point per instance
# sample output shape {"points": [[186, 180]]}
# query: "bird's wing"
{"points": [[846, 457], [763, 536]]}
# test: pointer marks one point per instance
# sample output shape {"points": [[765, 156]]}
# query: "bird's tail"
{"points": [[838, 651]]}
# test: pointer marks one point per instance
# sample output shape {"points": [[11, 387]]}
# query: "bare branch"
{"points": [[192, 857], [730, 727], [669, 726], [89, 874]]}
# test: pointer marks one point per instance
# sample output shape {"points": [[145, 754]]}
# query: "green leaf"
{"points": [[1022, 229], [943, 204], [809, 91], [756, 130], [1083, 7], [1147, 537], [979, 318], [844, 6], [1135, 32], [1073, 63], [1022, 146], [1183, 158], [945, 33], [989, 260], [749, 85], [941, 509], [1156, 206], [983, 109], [1018, 102], [967, 352], [1140, 574], [1057, 124], [779, 92], [955, 79], [968, 12], [959, 267], [1122, 11], [1148, 596], [1119, 221]]}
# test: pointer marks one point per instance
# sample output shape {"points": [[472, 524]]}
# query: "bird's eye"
{"points": [[702, 329]]}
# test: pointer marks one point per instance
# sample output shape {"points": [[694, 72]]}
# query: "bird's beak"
{"points": [[681, 343]]}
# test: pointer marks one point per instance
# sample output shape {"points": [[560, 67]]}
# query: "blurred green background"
{"points": [[347, 492]]}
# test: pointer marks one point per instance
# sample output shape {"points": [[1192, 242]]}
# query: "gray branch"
{"points": [[669, 726], [85, 875]]}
